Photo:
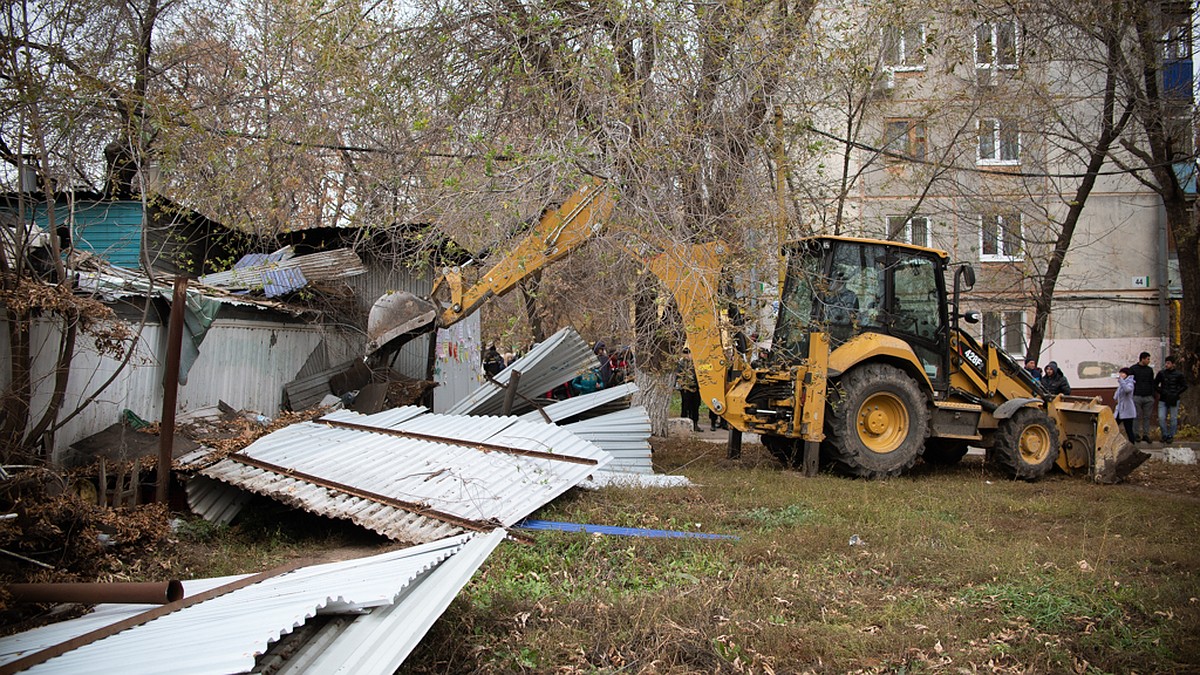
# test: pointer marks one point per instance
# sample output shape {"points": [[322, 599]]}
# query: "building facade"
{"points": [[973, 134]]}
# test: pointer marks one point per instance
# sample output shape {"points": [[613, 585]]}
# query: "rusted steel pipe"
{"points": [[145, 593]]}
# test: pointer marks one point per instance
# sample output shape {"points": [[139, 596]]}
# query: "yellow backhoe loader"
{"points": [[868, 369]]}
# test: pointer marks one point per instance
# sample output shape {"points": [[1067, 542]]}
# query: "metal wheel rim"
{"points": [[882, 422], [1034, 444]]}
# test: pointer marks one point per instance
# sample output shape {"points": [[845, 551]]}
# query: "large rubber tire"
{"points": [[1026, 445], [944, 451], [875, 422]]}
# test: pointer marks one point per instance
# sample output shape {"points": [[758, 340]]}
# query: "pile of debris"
{"points": [[452, 484]]}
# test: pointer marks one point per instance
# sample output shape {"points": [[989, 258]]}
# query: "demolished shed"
{"points": [[405, 473]]}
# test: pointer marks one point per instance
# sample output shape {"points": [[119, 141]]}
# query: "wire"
{"points": [[993, 172]]}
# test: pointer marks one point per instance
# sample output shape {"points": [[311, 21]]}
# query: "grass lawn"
{"points": [[954, 570]]}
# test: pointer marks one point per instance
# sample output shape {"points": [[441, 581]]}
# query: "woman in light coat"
{"points": [[1126, 410]]}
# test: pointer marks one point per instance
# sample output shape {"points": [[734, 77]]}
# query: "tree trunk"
{"points": [[1187, 244], [655, 394]]}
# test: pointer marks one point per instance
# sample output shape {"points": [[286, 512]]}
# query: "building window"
{"points": [[904, 137], [903, 47], [1177, 42], [999, 142], [914, 230], [1000, 235], [996, 45], [1006, 329]]}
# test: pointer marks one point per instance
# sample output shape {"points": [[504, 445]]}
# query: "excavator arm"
{"points": [[399, 316], [690, 272]]}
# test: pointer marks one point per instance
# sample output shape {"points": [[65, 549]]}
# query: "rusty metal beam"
{"points": [[412, 507], [485, 447]]}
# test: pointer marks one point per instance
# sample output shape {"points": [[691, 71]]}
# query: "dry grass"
{"points": [[959, 570], [956, 570]]}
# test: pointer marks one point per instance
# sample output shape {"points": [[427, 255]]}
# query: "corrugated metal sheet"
{"points": [[245, 364], [550, 363], [281, 281], [324, 266], [577, 405], [377, 643], [111, 230], [219, 502], [226, 633], [412, 475], [624, 434]]}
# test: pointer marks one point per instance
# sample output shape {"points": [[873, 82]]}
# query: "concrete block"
{"points": [[679, 426], [1180, 455]]}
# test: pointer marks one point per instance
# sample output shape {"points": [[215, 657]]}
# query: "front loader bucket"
{"points": [[1094, 440], [396, 318], [1116, 458]]}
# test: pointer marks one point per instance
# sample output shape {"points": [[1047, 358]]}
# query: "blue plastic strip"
{"points": [[618, 531]]}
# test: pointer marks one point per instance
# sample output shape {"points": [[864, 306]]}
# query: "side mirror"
{"points": [[968, 273], [739, 342], [972, 317]]}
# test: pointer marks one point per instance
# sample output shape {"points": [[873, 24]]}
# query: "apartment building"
{"points": [[973, 135]]}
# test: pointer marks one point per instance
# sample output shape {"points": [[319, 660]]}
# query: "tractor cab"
{"points": [[847, 287]]}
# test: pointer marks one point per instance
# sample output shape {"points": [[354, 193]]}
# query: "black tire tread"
{"points": [[843, 450], [1005, 450]]}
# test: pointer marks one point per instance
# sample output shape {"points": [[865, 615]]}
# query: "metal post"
{"points": [[166, 431], [735, 443], [510, 391]]}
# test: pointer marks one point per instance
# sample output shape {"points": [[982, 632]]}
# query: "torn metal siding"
{"points": [[557, 359], [215, 501], [225, 634], [324, 266], [577, 405], [624, 434], [414, 476], [378, 643]]}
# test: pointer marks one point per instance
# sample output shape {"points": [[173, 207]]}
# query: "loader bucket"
{"points": [[396, 318], [1116, 458], [1094, 440]]}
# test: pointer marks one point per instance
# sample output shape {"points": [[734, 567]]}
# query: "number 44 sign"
{"points": [[1141, 282]]}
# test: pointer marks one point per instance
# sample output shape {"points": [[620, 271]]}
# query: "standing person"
{"points": [[1126, 410], [1169, 384], [1031, 367], [689, 389], [1143, 395], [493, 363], [1054, 382]]}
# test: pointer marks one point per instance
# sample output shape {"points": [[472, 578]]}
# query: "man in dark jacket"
{"points": [[1054, 382], [1143, 396], [1169, 384]]}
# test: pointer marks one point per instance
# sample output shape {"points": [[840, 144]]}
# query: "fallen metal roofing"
{"points": [[282, 275], [410, 475], [554, 361], [394, 598], [624, 434], [577, 405], [219, 502]]}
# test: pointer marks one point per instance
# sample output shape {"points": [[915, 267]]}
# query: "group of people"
{"points": [[1051, 379], [1137, 388]]}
